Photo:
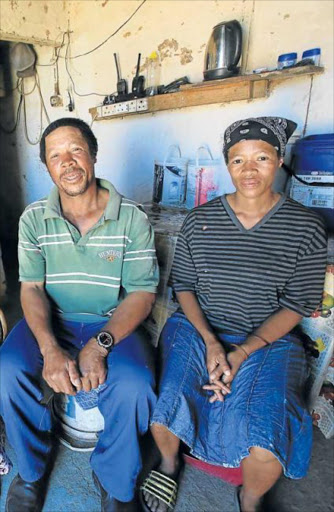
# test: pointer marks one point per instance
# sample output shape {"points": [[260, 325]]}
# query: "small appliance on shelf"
{"points": [[223, 51]]}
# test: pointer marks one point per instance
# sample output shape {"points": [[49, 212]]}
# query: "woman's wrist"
{"points": [[209, 339], [255, 342]]}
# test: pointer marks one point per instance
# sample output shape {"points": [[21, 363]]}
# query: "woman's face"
{"points": [[252, 165]]}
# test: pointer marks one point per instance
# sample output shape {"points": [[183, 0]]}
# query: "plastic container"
{"points": [[170, 177], [286, 60], [203, 180], [313, 54], [312, 161], [153, 74]]}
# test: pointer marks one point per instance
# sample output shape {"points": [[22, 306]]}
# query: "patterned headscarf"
{"points": [[274, 130]]}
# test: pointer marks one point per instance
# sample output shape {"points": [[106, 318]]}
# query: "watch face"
{"points": [[105, 339]]}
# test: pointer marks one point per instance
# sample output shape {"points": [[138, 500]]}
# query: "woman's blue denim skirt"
{"points": [[266, 407]]}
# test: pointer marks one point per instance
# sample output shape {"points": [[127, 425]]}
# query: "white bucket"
{"points": [[77, 428], [204, 179], [170, 177]]}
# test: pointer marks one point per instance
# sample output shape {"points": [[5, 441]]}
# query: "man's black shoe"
{"points": [[25, 496], [110, 504]]}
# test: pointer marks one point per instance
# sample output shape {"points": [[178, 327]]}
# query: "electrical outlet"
{"points": [[108, 110], [132, 106], [123, 107], [142, 104]]}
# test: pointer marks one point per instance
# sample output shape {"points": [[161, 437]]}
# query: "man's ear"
{"points": [[280, 162]]}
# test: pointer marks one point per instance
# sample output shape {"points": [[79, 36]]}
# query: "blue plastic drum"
{"points": [[313, 163]]}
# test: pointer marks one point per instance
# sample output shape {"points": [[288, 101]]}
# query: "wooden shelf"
{"points": [[244, 87]]}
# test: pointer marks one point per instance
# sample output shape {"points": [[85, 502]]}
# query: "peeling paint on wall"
{"points": [[46, 8], [14, 4], [186, 56], [127, 34], [168, 48], [105, 3]]}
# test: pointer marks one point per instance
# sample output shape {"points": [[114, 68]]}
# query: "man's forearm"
{"points": [[37, 312], [131, 312]]}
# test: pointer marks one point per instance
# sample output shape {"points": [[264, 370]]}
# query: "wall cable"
{"points": [[21, 89], [42, 109], [70, 76], [18, 113], [14, 88], [111, 35], [57, 54], [308, 107]]}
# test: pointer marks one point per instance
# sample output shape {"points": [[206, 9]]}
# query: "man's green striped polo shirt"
{"points": [[90, 274]]}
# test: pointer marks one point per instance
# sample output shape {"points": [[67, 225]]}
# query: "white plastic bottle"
{"points": [[153, 74]]}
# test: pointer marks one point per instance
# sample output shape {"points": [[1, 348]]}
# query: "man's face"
{"points": [[69, 161]]}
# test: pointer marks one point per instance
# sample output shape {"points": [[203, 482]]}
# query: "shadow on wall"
{"points": [[11, 196]]}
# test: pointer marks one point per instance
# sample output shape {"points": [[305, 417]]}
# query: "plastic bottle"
{"points": [[153, 74]]}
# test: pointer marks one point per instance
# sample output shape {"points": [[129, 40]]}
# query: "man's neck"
{"points": [[84, 210]]}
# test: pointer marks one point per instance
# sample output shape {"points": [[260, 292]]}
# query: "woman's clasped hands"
{"points": [[222, 369]]}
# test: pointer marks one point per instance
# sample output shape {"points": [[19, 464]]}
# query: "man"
{"points": [[89, 274]]}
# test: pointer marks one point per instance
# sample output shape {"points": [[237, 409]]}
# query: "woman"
{"points": [[247, 267]]}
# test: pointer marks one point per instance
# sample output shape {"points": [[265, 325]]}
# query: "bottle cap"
{"points": [[154, 55], [287, 56], [311, 53]]}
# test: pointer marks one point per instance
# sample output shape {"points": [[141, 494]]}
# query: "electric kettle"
{"points": [[223, 51]]}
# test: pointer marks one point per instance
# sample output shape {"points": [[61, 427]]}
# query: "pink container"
{"points": [[203, 180]]}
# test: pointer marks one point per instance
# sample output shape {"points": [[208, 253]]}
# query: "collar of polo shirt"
{"points": [[111, 212]]}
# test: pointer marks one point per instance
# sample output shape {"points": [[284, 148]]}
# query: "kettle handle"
{"points": [[238, 45]]}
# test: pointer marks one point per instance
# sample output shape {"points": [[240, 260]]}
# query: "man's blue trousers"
{"points": [[126, 404]]}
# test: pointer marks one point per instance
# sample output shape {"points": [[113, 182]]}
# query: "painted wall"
{"points": [[179, 30]]}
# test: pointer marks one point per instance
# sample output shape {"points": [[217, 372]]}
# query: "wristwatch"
{"points": [[105, 339]]}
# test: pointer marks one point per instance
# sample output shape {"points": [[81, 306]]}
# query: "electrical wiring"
{"points": [[57, 54], [43, 108], [25, 122], [42, 99], [14, 88], [18, 113], [111, 35], [94, 118], [70, 76], [21, 91]]}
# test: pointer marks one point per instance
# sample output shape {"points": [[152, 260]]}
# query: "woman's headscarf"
{"points": [[274, 130]]}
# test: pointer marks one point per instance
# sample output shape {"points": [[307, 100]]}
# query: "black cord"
{"points": [[11, 90], [113, 34], [57, 55], [70, 76], [18, 113], [309, 183]]}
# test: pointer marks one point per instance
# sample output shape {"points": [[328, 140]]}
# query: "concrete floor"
{"points": [[71, 488]]}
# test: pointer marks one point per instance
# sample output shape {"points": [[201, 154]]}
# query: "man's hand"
{"points": [[92, 365], [223, 385], [60, 371], [217, 366]]}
